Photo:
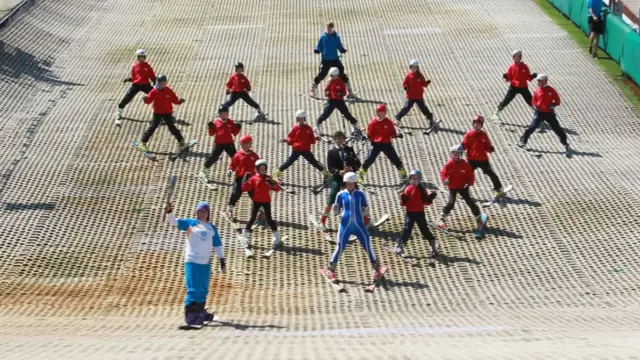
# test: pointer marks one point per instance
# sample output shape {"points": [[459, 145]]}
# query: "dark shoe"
{"points": [[590, 49], [191, 315]]}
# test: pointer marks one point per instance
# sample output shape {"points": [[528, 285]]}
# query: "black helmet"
{"points": [[223, 109], [162, 78], [239, 65]]}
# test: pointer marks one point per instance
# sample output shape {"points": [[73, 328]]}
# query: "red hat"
{"points": [[479, 118], [244, 139], [381, 108]]}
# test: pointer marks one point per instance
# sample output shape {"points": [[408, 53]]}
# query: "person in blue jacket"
{"points": [[202, 237], [329, 46]]}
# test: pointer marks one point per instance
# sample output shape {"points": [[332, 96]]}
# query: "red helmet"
{"points": [[246, 139], [478, 118], [381, 108]]}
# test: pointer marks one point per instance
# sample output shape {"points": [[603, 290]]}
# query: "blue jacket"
{"points": [[329, 45]]}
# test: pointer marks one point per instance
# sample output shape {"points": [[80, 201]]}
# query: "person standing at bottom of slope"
{"points": [[340, 160], [238, 87], [242, 163], [596, 25], [223, 129], [202, 237], [545, 100], [334, 91], [259, 187], [141, 78], [415, 198], [458, 176], [163, 98], [518, 76], [351, 204], [301, 138], [381, 132], [414, 84], [329, 45], [477, 144]]}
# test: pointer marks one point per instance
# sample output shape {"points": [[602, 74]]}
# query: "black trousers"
{"points": [[325, 65], [552, 120], [159, 119], [236, 192], [488, 170], [341, 106], [230, 149], [235, 96], [409, 104], [255, 207], [133, 90], [307, 155], [388, 150], [453, 195], [420, 219], [511, 94]]}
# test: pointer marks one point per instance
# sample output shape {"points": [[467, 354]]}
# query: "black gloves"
{"points": [[504, 76], [316, 51], [210, 124], [223, 265], [182, 100]]}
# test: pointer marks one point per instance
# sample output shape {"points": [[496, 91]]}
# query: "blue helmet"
{"points": [[203, 205], [416, 172], [162, 78]]}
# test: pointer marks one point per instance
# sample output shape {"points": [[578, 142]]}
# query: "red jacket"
{"points": [[224, 131], [518, 74], [335, 89], [238, 83], [543, 97], [414, 84], [459, 174], [142, 73], [243, 163], [477, 145], [162, 99], [261, 188], [301, 138], [414, 198], [381, 132]]}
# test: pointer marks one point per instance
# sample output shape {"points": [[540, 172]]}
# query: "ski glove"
{"points": [[428, 82], [126, 80], [230, 172], [492, 149], [504, 76], [145, 98], [552, 106], [316, 51], [239, 126], [534, 75], [432, 196], [246, 177], [404, 198], [210, 124], [223, 265], [399, 135], [228, 92], [343, 51], [182, 100]]}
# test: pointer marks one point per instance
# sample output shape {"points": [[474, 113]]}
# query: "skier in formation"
{"points": [[351, 204], [477, 144], [414, 198], [301, 138], [414, 84], [238, 87], [518, 76], [163, 98], [141, 78], [202, 237], [328, 47], [242, 163], [458, 176], [334, 92], [340, 160], [223, 130], [259, 187], [381, 132], [545, 100]]}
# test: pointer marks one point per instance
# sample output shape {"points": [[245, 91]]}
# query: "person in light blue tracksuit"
{"points": [[202, 237], [330, 47], [352, 205]]}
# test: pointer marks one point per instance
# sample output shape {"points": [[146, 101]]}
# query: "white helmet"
{"points": [[350, 177], [516, 53], [334, 71], [414, 62], [141, 52], [261, 162], [301, 114], [542, 77], [456, 149]]}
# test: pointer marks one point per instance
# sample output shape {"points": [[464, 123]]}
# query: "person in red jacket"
{"points": [[223, 130], [545, 100], [163, 98], [242, 163], [414, 199], [518, 76], [477, 144], [301, 138], [141, 78], [458, 176], [414, 84], [259, 186], [238, 87], [381, 132], [335, 92]]}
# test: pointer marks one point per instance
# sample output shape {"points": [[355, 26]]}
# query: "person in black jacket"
{"points": [[340, 160]]}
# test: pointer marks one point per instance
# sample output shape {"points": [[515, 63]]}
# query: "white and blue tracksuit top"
{"points": [[201, 239], [352, 205], [329, 45]]}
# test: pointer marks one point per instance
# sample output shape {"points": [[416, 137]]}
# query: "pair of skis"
{"points": [[248, 253], [151, 156], [402, 255], [319, 99], [401, 130], [339, 287], [498, 199]]}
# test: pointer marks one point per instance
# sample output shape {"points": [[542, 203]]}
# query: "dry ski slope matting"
{"points": [[89, 264]]}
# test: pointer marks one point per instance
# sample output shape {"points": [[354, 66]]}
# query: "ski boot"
{"points": [[433, 257], [567, 151], [357, 134], [482, 224], [442, 222], [183, 146], [260, 116], [496, 116], [229, 213], [350, 93], [361, 174], [404, 179], [498, 195], [277, 175], [377, 275], [204, 174], [277, 243], [522, 143], [143, 147], [312, 91], [118, 117], [330, 272], [191, 315], [326, 175], [399, 248]]}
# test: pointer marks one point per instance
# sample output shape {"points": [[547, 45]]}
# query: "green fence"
{"points": [[619, 40]]}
